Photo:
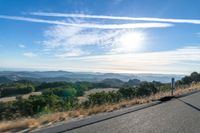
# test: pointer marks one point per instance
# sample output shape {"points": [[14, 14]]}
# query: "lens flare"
{"points": [[130, 41]]}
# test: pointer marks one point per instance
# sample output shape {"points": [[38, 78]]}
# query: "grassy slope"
{"points": [[49, 119], [12, 98]]}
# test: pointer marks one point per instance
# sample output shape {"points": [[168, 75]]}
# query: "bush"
{"points": [[61, 92], [103, 97], [36, 105], [128, 93]]}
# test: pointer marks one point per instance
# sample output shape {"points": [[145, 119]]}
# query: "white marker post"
{"points": [[172, 86]]}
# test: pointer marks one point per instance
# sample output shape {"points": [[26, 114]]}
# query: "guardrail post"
{"points": [[172, 86]]}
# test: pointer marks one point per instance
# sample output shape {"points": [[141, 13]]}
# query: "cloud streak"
{"points": [[189, 53], [29, 54], [21, 46], [90, 25], [75, 41], [69, 41], [173, 61], [169, 20], [179, 60]]}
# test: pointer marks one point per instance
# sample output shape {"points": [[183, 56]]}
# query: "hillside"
{"points": [[52, 76], [5, 80]]}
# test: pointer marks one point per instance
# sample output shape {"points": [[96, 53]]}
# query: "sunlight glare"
{"points": [[130, 41]]}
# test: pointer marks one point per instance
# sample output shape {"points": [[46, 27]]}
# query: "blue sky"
{"points": [[125, 36]]}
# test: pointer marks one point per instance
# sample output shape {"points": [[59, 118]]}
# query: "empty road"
{"points": [[180, 115]]}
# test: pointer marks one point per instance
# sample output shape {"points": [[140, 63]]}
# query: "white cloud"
{"points": [[190, 53], [21, 46], [71, 53], [30, 54], [91, 25], [177, 61], [58, 35], [170, 20], [182, 60], [65, 40]]}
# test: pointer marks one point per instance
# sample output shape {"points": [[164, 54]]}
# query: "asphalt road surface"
{"points": [[180, 115]]}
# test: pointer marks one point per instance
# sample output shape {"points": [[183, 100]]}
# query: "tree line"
{"points": [[192, 78], [25, 87]]}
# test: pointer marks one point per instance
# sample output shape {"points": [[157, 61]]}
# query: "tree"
{"points": [[13, 89], [195, 77], [132, 82], [146, 89]]}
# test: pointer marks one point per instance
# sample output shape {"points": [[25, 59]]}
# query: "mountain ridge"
{"points": [[50, 76]]}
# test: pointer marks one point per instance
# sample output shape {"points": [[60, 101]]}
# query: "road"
{"points": [[180, 115]]}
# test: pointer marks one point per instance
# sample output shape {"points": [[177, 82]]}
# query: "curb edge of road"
{"points": [[98, 118]]}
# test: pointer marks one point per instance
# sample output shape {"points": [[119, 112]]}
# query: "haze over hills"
{"points": [[51, 76]]}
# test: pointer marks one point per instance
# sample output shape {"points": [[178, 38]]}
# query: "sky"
{"points": [[122, 36]]}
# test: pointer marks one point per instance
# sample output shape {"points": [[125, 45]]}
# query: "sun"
{"points": [[130, 41]]}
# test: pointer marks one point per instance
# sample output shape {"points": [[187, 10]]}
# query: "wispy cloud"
{"points": [[182, 60], [71, 53], [179, 60], [173, 61], [75, 41], [30, 54], [69, 41], [170, 20], [189, 53], [21, 46], [90, 25], [67, 38]]}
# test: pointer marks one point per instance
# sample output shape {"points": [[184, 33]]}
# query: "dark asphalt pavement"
{"points": [[180, 115]]}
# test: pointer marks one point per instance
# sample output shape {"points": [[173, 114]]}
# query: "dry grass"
{"points": [[32, 123], [92, 91], [13, 98], [44, 120]]}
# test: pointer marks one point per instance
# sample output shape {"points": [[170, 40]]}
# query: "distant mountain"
{"points": [[51, 76]]}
